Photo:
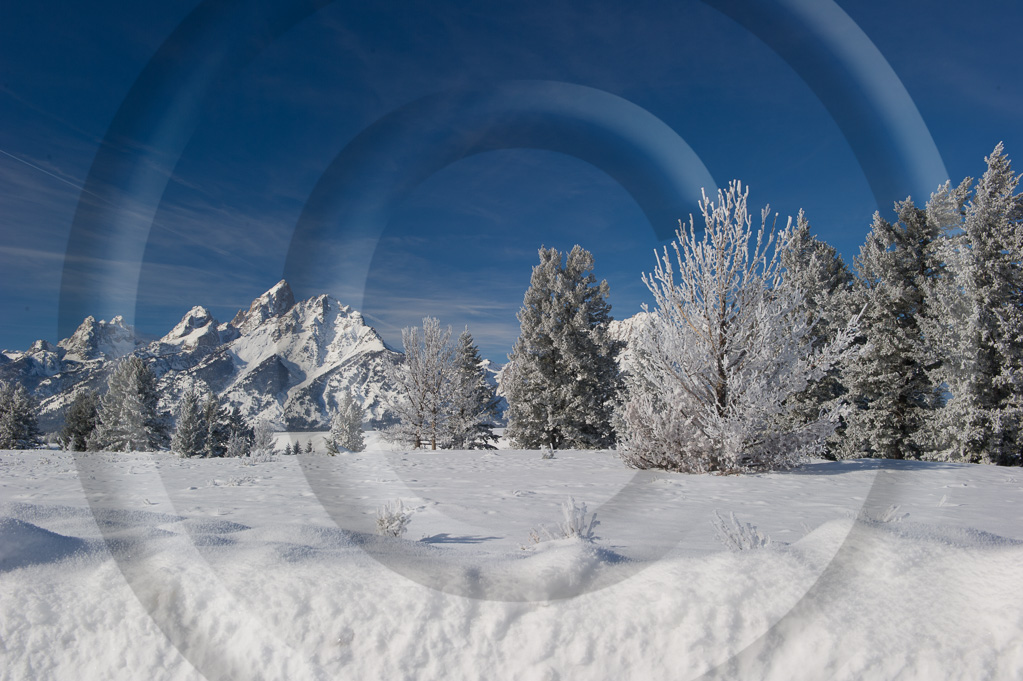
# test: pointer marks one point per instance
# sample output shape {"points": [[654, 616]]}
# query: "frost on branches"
{"points": [[128, 418], [726, 346], [18, 429], [346, 426], [424, 384], [561, 380], [979, 334]]}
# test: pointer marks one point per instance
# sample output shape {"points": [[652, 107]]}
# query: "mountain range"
{"points": [[280, 360]]}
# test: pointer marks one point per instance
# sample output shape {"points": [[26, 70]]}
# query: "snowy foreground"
{"points": [[145, 566]]}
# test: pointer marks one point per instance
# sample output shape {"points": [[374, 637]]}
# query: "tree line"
{"points": [[762, 347]]}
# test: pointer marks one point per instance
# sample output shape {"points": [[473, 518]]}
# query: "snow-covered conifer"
{"points": [[190, 431], [893, 397], [18, 425], [424, 385], [980, 331], [218, 427], [346, 426], [723, 351], [239, 434], [473, 402], [80, 420], [815, 268], [562, 379], [128, 416]]}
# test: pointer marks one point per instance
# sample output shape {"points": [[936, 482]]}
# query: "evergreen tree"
{"points": [[980, 333], [817, 270], [80, 420], [239, 434], [717, 361], [424, 386], [890, 387], [474, 402], [18, 425], [190, 433], [218, 428], [309, 447], [561, 381], [128, 416], [346, 426]]}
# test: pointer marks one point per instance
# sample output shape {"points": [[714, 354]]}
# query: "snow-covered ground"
{"points": [[146, 566]]}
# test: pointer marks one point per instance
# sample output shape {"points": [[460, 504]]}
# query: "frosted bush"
{"points": [[263, 448], [577, 523], [393, 519], [738, 536]]}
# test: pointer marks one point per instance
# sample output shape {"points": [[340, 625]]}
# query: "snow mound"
{"points": [[23, 544]]}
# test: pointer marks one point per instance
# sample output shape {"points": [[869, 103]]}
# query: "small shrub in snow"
{"points": [[393, 519], [889, 515], [739, 536], [577, 523]]}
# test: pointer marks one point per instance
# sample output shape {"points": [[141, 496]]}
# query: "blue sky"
{"points": [[211, 170]]}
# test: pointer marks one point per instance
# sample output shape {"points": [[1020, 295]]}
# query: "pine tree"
{"points": [[18, 425], [346, 426], [190, 433], [424, 386], [815, 268], [980, 333], [562, 381], [309, 447], [128, 416], [239, 435], [891, 389], [474, 402], [725, 349], [218, 427], [80, 420]]}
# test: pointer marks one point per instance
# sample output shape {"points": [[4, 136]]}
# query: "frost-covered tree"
{"points": [[128, 415], [723, 352], [894, 399], [346, 426], [218, 427], [815, 268], [80, 420], [423, 385], [562, 379], [18, 425], [239, 434], [263, 448], [474, 402], [190, 430], [980, 333]]}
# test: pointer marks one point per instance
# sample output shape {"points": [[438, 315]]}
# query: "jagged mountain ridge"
{"points": [[280, 360]]}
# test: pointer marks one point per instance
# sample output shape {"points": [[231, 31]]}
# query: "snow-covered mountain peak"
{"points": [[197, 328], [273, 303], [94, 339]]}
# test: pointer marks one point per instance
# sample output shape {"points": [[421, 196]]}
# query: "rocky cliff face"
{"points": [[279, 360]]}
